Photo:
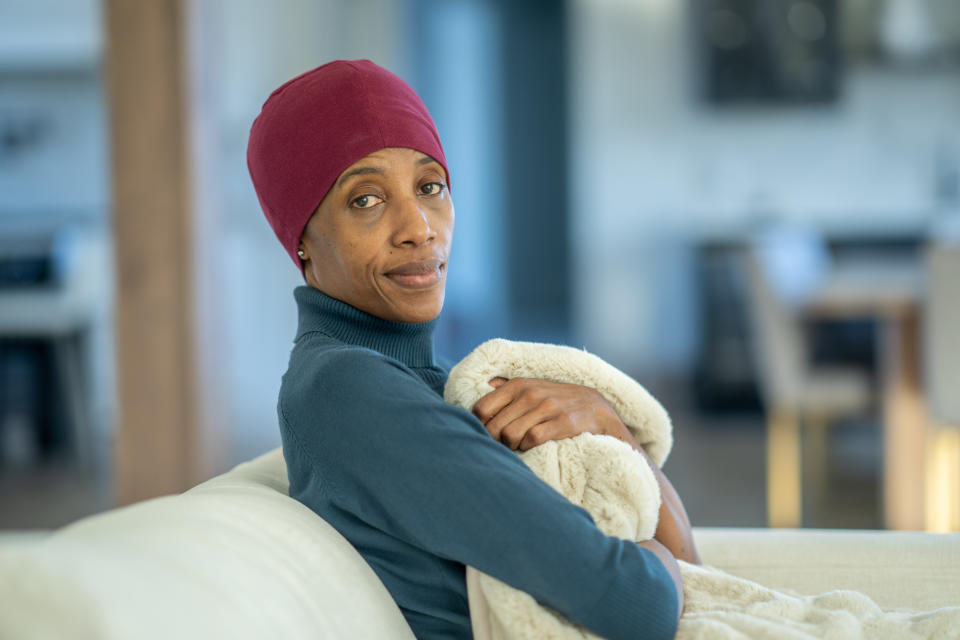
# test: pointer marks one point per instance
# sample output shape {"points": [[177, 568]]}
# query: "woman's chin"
{"points": [[422, 315], [417, 311], [413, 301]]}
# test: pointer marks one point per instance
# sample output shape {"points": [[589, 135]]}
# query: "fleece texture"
{"points": [[617, 487], [646, 418], [599, 473]]}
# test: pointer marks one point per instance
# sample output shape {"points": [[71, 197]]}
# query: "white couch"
{"points": [[235, 557]]}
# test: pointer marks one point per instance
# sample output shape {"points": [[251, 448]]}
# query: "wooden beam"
{"points": [[158, 432]]}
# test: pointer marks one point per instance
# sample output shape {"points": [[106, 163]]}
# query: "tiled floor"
{"points": [[51, 494], [718, 467]]}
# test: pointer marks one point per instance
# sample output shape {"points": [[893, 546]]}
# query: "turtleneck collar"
{"points": [[411, 344]]}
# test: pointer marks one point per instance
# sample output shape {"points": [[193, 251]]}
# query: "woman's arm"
{"points": [[524, 412], [664, 555], [673, 526], [388, 451]]}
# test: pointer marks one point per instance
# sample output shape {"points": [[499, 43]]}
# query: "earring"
{"points": [[301, 253]]}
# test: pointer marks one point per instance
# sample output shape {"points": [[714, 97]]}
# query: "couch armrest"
{"points": [[234, 557], [9, 539], [897, 569]]}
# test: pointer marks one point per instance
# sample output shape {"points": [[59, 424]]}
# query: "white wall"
{"points": [[57, 176], [50, 54], [652, 168]]}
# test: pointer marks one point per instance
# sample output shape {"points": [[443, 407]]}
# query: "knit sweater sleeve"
{"points": [[393, 453]]}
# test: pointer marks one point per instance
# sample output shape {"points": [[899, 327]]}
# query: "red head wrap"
{"points": [[316, 125]]}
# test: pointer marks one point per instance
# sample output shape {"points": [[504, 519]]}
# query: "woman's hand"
{"points": [[525, 412]]}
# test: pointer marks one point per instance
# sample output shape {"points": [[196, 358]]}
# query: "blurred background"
{"points": [[751, 206]]}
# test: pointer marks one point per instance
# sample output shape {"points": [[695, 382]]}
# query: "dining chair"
{"points": [[801, 399], [942, 374]]}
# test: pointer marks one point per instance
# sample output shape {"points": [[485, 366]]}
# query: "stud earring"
{"points": [[301, 253]]}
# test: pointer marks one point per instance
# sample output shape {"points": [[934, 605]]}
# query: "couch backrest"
{"points": [[233, 557]]}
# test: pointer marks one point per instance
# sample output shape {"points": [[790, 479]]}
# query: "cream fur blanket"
{"points": [[616, 486]]}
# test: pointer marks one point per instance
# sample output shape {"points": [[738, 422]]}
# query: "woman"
{"points": [[351, 175]]}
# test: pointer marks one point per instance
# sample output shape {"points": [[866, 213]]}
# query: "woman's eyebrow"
{"points": [[378, 170], [359, 171]]}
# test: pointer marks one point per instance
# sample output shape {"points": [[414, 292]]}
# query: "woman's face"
{"points": [[380, 240]]}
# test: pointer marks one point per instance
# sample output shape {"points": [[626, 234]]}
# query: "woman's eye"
{"points": [[365, 202], [431, 188]]}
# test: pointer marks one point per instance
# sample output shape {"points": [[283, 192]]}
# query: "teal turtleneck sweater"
{"points": [[420, 488]]}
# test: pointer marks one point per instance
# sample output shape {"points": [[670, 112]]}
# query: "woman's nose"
{"points": [[413, 224]]}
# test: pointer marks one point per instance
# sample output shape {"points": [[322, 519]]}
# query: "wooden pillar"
{"points": [[161, 446]]}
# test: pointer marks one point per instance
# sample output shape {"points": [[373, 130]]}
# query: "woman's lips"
{"points": [[417, 275]]}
